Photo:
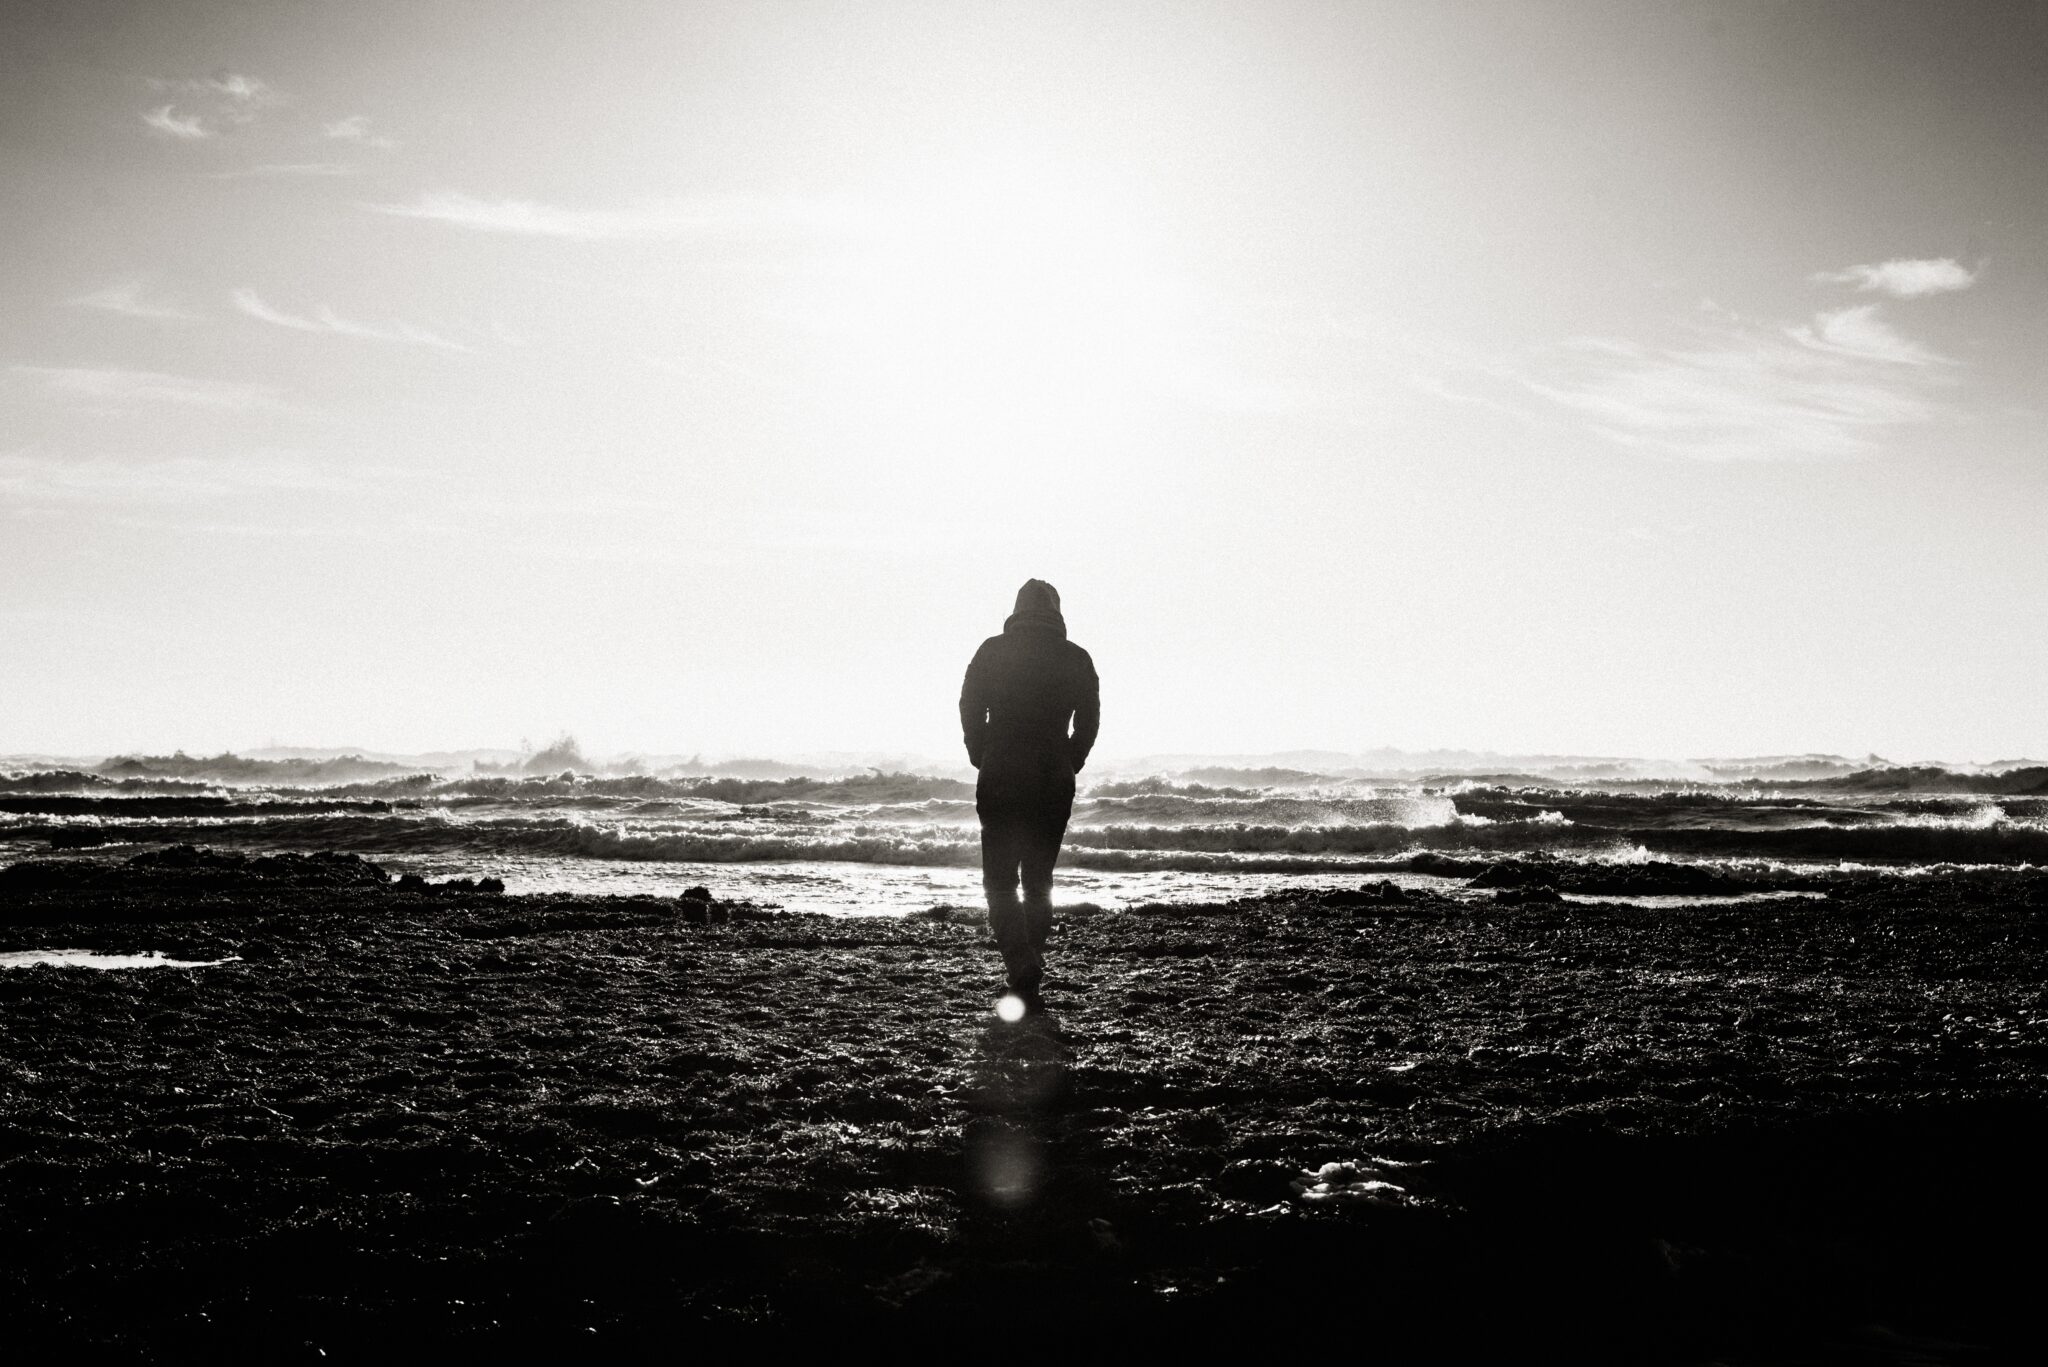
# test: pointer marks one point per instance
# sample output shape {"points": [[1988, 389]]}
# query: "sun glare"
{"points": [[1003, 317]]}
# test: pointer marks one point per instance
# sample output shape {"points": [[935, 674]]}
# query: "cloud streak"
{"points": [[324, 319], [1832, 389], [164, 120], [705, 217], [32, 477], [130, 299], [1905, 278], [232, 87], [1859, 332], [118, 388], [289, 168], [1833, 386], [228, 99], [354, 128]]}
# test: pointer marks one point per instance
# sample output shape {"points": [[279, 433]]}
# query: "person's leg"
{"points": [[1041, 851], [1002, 854], [1041, 848]]}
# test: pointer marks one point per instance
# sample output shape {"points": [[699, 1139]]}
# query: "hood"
{"points": [[1037, 609]]}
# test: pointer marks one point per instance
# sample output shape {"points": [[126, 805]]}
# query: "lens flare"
{"points": [[1006, 1165]]}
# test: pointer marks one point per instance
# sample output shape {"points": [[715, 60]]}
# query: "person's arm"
{"points": [[974, 706], [1087, 714]]}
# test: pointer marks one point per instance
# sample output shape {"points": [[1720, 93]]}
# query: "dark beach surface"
{"points": [[415, 1118]]}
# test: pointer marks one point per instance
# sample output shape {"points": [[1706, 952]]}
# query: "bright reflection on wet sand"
{"points": [[86, 958]]}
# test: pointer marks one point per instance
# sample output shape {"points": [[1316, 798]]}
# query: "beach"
{"points": [[569, 570], [434, 1117]]}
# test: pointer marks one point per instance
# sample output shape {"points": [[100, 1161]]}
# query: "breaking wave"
{"points": [[742, 837], [1218, 820]]}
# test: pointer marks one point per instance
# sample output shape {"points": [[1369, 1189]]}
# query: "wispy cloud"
{"points": [[131, 299], [229, 90], [224, 100], [704, 217], [1859, 332], [118, 388], [231, 86], [163, 119], [355, 128], [324, 319], [1835, 385], [37, 477], [1832, 388], [290, 168], [1905, 278]]}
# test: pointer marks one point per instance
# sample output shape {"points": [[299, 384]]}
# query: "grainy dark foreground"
{"points": [[429, 1119]]}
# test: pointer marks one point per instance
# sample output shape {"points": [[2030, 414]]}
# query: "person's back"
{"points": [[1022, 691]]}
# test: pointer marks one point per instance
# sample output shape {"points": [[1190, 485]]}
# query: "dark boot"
{"points": [[1006, 920], [1038, 922], [1023, 974]]}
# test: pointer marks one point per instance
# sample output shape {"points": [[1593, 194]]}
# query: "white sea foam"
{"points": [[1167, 837]]}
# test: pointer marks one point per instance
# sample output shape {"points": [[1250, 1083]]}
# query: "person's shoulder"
{"points": [[1079, 655]]}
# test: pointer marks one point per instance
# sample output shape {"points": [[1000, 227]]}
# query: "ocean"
{"points": [[895, 843]]}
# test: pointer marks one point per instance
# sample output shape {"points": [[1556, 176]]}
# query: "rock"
{"points": [[1655, 876], [1506, 874], [190, 868], [1431, 861], [945, 913], [1261, 1180]]}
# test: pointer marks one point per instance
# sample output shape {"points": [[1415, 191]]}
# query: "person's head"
{"points": [[1037, 596]]}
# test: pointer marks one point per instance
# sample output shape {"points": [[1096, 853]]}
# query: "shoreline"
{"points": [[429, 1116]]}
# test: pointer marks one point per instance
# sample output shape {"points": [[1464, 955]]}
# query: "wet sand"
{"points": [[428, 1118]]}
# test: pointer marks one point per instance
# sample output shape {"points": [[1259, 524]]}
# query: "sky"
{"points": [[1567, 377]]}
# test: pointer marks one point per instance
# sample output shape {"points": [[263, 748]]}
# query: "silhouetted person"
{"points": [[1022, 689]]}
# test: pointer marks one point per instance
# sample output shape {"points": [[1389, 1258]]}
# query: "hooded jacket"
{"points": [[1024, 686]]}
